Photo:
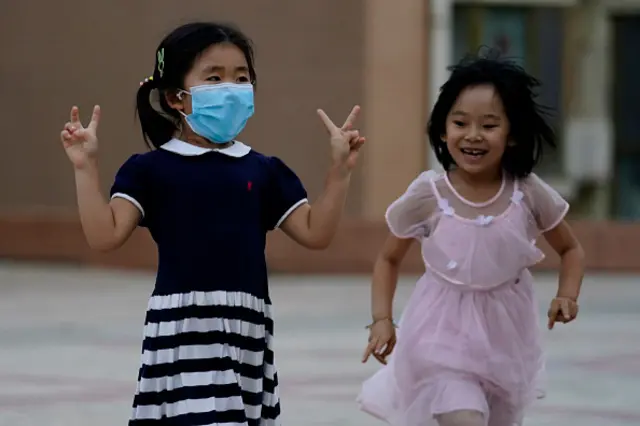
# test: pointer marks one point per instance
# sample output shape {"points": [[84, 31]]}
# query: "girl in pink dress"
{"points": [[468, 349]]}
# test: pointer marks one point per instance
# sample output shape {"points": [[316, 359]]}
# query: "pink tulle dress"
{"points": [[469, 338]]}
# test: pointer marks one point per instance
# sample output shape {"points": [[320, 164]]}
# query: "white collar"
{"points": [[238, 149]]}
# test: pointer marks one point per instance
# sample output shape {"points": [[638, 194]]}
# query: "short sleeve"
{"points": [[409, 215], [547, 205], [131, 183], [285, 193]]}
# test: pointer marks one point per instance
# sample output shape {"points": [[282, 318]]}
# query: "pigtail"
{"points": [[158, 127]]}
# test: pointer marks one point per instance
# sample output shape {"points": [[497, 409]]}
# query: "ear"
{"points": [[175, 99]]}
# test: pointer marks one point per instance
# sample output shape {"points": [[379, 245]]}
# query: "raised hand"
{"points": [[81, 143], [345, 142]]}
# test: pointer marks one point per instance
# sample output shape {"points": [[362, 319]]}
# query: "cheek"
{"points": [[497, 141], [187, 106]]}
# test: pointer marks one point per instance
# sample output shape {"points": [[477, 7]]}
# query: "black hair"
{"points": [[529, 130], [174, 59]]}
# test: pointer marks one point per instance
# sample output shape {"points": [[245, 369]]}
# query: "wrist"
{"points": [[385, 319], [90, 165], [338, 172], [88, 170], [380, 316], [573, 297]]}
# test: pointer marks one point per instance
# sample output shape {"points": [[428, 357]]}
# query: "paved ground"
{"points": [[69, 345]]}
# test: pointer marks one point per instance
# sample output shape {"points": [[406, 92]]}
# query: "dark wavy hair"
{"points": [[529, 129]]}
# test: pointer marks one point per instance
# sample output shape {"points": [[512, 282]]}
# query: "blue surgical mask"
{"points": [[219, 112]]}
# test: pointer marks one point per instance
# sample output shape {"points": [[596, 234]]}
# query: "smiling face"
{"points": [[477, 130]]}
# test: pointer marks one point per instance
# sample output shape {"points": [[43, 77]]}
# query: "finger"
{"points": [[380, 346], [65, 136], [390, 346], [351, 118], [564, 307], [79, 134], [552, 321], [95, 118], [355, 146], [369, 350], [552, 314], [327, 122], [69, 127], [75, 115], [381, 359]]}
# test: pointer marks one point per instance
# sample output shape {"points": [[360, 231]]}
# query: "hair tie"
{"points": [[146, 80], [160, 58]]}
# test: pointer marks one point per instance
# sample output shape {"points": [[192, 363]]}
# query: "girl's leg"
{"points": [[461, 418]]}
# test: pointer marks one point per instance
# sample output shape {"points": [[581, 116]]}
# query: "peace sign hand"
{"points": [[81, 143], [345, 142]]}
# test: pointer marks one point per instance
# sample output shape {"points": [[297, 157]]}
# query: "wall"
{"points": [[309, 55], [317, 53]]}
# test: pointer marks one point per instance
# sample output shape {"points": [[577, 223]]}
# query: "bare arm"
{"points": [[565, 243], [106, 226], [313, 226], [385, 276]]}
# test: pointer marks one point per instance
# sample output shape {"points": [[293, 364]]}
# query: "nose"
{"points": [[473, 134]]}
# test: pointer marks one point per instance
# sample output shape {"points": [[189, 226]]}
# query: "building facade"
{"points": [[389, 57]]}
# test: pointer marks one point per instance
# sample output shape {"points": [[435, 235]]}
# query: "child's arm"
{"points": [[106, 225], [385, 276], [549, 210], [565, 243], [383, 287], [314, 226]]}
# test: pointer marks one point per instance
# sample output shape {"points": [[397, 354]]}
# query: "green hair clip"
{"points": [[160, 57]]}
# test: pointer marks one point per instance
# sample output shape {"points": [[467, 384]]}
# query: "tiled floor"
{"points": [[69, 346]]}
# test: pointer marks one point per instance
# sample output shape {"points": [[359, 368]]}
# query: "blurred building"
{"points": [[388, 56]]}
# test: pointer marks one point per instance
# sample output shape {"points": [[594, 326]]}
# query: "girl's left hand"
{"points": [[345, 142], [562, 310]]}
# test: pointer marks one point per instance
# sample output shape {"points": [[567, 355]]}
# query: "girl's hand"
{"points": [[81, 143], [345, 142], [382, 340], [562, 310]]}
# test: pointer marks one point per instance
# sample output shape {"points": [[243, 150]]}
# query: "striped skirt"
{"points": [[207, 359]]}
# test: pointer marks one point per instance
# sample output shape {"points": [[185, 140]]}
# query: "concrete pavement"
{"points": [[70, 341]]}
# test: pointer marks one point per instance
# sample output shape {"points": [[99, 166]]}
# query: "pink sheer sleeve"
{"points": [[547, 205], [409, 215]]}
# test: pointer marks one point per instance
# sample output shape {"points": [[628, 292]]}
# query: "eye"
{"points": [[458, 123], [490, 126], [243, 79], [214, 78]]}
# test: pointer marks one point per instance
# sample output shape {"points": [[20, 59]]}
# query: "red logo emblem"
{"points": [[249, 185]]}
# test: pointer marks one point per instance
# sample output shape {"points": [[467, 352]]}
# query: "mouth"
{"points": [[474, 153]]}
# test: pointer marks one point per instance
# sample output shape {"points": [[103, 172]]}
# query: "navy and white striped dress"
{"points": [[207, 354]]}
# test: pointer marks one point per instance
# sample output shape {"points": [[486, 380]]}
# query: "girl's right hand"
{"points": [[382, 340], [81, 143]]}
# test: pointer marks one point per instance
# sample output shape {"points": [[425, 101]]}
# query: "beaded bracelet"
{"points": [[375, 321]]}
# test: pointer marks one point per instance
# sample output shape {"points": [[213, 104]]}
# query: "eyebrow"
{"points": [[218, 68], [464, 114]]}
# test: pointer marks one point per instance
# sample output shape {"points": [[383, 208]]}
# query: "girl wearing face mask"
{"points": [[208, 201]]}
